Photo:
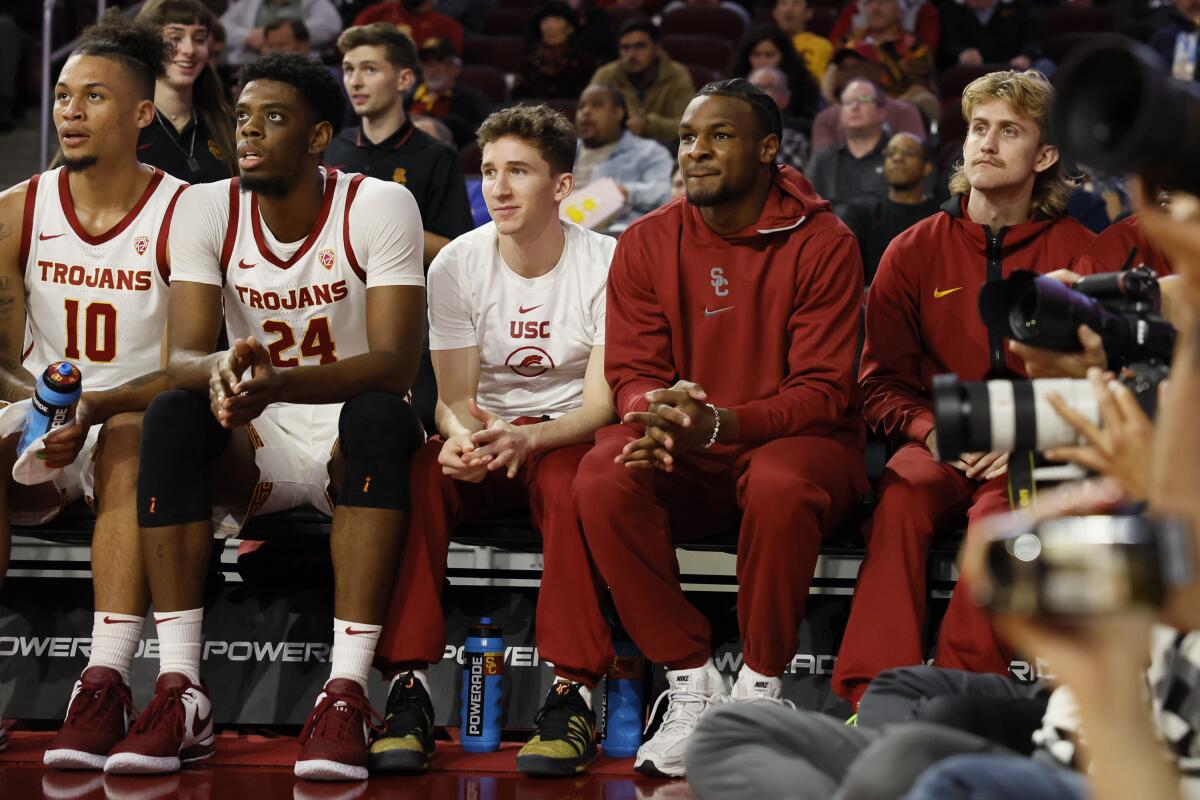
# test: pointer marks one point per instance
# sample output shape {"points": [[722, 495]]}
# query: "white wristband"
{"points": [[716, 426]]}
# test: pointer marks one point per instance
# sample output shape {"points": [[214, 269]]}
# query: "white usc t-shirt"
{"points": [[534, 335], [305, 300]]}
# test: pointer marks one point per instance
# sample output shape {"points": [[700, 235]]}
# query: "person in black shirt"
{"points": [[191, 136], [876, 220], [378, 67]]}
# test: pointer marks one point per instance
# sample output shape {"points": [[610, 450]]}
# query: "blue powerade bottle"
{"points": [[54, 399], [483, 671], [624, 688]]}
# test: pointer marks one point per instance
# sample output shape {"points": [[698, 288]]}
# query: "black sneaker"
{"points": [[565, 740], [406, 743]]}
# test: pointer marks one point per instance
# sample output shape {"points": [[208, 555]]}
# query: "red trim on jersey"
{"points": [[353, 190], [160, 248], [231, 225], [25, 355], [27, 220], [68, 207], [313, 234]]}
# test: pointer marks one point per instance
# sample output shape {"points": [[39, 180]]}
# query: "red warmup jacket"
{"points": [[1111, 249], [766, 319], [923, 314]]}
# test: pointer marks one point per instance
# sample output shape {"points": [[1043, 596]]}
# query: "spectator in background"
{"points": [[877, 220], [854, 168], [899, 115], [988, 31], [1176, 41], [379, 65], [418, 19], [287, 36], [641, 167], [552, 65], [461, 107], [768, 46], [656, 88], [471, 13], [594, 31], [906, 61], [918, 17], [793, 144], [246, 22], [792, 17], [434, 127], [191, 136], [729, 5]]}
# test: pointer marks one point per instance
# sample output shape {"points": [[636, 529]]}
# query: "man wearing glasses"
{"points": [[853, 168]]}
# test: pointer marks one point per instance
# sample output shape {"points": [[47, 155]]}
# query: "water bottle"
{"points": [[624, 688], [54, 399], [483, 670]]}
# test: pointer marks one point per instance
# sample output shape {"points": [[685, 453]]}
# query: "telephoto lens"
{"points": [[1116, 111], [1085, 566]]}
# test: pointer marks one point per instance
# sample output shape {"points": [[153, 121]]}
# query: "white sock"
{"points": [[115, 640], [179, 640], [353, 650], [584, 691]]}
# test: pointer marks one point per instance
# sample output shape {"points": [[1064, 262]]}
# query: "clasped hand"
{"points": [[677, 420]]}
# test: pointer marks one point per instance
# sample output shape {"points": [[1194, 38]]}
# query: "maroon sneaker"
{"points": [[175, 728], [333, 744], [98, 716]]}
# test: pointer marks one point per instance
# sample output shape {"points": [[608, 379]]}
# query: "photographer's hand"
{"points": [[985, 466], [1122, 447], [1042, 363]]}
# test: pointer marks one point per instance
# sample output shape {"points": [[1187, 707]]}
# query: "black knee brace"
{"points": [[377, 433], [180, 437]]}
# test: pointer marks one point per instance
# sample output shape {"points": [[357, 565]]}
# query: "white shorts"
{"points": [[293, 444], [76, 480]]}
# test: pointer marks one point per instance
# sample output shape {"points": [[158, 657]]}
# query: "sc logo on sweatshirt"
{"points": [[720, 286]]}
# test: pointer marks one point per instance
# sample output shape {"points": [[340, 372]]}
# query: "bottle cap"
{"points": [[65, 369]]}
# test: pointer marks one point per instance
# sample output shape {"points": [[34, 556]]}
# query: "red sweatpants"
{"points": [[571, 631], [918, 499], [791, 492]]}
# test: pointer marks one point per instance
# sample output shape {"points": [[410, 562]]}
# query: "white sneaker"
{"points": [[758, 689], [690, 692]]}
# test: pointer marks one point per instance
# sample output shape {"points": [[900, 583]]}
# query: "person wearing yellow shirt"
{"points": [[792, 16]]}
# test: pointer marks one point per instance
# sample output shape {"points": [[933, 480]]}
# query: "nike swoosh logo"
{"points": [[352, 632], [940, 294], [43, 237], [524, 310], [161, 620], [243, 265], [110, 621], [716, 311], [199, 723], [142, 147]]}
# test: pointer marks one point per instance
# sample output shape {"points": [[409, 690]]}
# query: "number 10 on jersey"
{"points": [[99, 331]]}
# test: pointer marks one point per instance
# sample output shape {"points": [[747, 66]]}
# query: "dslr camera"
{"points": [[1074, 567], [1123, 308]]}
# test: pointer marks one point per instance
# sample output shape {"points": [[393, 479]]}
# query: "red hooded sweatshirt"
{"points": [[1111, 249], [765, 319], [923, 313]]}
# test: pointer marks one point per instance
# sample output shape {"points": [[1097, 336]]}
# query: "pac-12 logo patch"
{"points": [[141, 244], [326, 258], [529, 361]]}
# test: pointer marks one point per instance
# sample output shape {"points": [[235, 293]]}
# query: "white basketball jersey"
{"points": [[97, 301], [307, 308]]}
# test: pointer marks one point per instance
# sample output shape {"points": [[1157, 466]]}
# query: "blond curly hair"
{"points": [[1029, 94]]}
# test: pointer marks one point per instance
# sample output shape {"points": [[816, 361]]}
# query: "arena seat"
{"points": [[707, 51], [501, 52], [508, 21], [703, 21], [702, 75], [488, 80]]}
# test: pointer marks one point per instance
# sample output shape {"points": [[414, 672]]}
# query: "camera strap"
{"points": [[997, 364], [1022, 489]]}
